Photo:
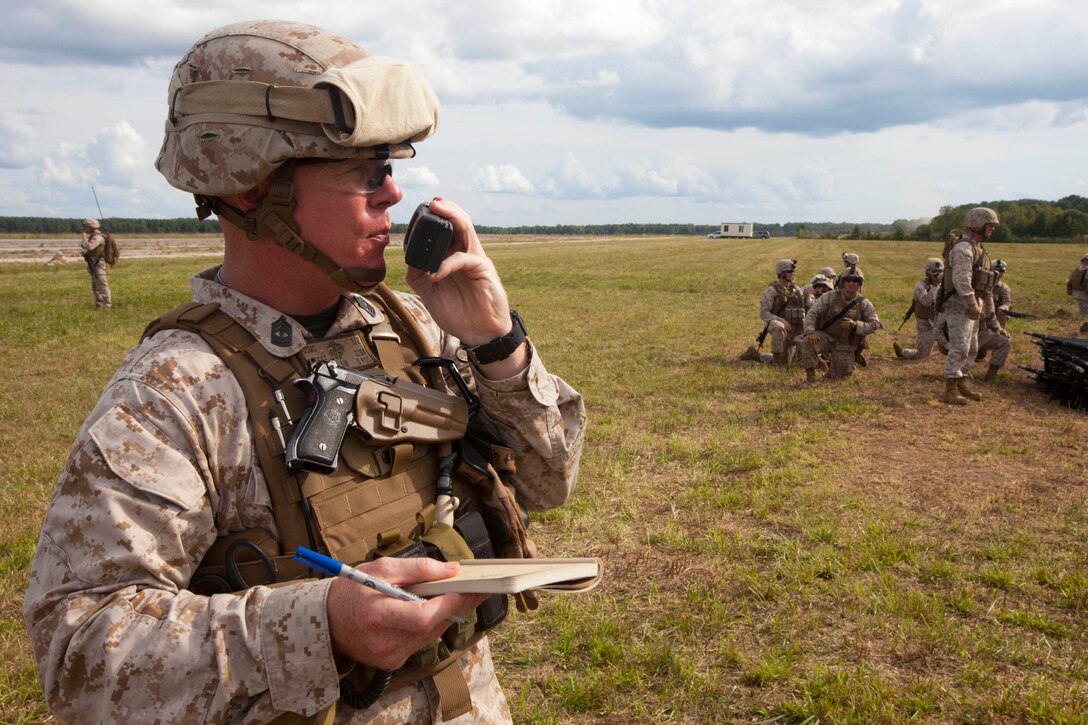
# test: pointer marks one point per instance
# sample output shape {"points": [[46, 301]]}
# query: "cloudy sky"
{"points": [[575, 111]]}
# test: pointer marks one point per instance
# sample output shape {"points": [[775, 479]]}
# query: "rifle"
{"points": [[1019, 315], [910, 311]]}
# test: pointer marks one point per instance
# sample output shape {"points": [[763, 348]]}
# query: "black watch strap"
{"points": [[501, 347]]}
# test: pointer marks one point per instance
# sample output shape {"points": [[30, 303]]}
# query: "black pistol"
{"points": [[330, 393]]}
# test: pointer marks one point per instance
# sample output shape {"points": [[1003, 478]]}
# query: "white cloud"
{"points": [[503, 178], [17, 140], [416, 177]]}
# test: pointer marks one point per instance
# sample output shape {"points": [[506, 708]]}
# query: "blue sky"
{"points": [[556, 111]]}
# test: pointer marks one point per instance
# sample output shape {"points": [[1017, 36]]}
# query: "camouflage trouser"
{"points": [[841, 362], [962, 340], [927, 335], [1082, 302], [992, 342], [782, 341], [99, 284], [419, 703]]}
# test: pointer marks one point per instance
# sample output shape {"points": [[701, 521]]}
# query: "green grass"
{"points": [[851, 552]]}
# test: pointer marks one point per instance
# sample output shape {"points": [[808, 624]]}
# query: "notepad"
{"points": [[509, 576]]}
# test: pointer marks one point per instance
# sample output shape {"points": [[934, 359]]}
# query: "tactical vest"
{"points": [[791, 304], [838, 304], [923, 311], [379, 500], [1078, 280], [982, 277]]}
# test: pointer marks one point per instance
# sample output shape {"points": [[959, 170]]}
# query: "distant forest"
{"points": [[1024, 220]]}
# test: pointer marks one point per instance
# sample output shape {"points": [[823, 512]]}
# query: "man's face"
{"points": [[786, 277], [851, 286], [987, 230], [343, 210], [820, 289]]}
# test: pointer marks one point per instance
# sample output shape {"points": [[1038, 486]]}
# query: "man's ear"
{"points": [[250, 198]]}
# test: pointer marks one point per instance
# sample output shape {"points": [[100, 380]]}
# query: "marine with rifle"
{"points": [[782, 310], [923, 308], [1077, 286], [836, 326]]}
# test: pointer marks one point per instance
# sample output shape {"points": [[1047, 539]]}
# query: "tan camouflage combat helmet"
{"points": [[828, 272], [853, 272], [934, 264], [821, 280], [249, 99], [999, 265], [979, 217], [91, 224], [785, 265], [849, 259]]}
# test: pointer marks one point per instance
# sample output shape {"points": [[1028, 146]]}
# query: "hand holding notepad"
{"points": [[510, 576]]}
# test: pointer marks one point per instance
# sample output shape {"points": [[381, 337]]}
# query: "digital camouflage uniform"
{"points": [[788, 299], [925, 312], [163, 466], [1077, 286], [838, 342], [93, 246], [993, 340], [963, 331]]}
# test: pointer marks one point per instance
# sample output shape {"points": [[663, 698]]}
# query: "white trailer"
{"points": [[736, 230]]}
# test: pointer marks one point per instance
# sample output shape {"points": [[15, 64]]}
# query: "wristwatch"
{"points": [[501, 347]]}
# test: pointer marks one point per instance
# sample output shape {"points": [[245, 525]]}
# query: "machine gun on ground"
{"points": [[1065, 368]]}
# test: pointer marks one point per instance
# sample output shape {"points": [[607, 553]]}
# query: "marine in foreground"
{"points": [[150, 592]]}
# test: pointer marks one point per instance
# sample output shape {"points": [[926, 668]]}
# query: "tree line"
{"points": [[1022, 220]]}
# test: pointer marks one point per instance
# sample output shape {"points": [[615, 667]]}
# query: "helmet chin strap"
{"points": [[274, 218]]}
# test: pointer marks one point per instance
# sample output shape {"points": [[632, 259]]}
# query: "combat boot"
{"points": [[810, 375], [952, 393], [750, 354], [991, 373], [898, 350], [943, 347], [965, 391], [778, 359], [980, 356], [860, 359]]}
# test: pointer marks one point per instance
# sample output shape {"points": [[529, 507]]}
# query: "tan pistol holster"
{"points": [[380, 500]]}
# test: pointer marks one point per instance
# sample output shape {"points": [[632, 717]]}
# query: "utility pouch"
{"points": [[982, 280], [472, 529]]}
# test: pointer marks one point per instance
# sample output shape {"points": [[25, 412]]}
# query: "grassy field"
{"points": [[850, 552]]}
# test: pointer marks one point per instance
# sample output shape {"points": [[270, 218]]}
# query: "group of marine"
{"points": [[960, 305]]}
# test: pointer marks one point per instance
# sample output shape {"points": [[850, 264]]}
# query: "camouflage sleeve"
{"points": [[161, 467], [95, 242], [870, 323], [535, 413], [1002, 298], [766, 304], [926, 294], [819, 307], [961, 261]]}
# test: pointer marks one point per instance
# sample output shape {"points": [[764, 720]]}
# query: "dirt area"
{"points": [[42, 250]]}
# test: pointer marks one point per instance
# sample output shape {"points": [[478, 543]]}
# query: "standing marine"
{"points": [[967, 297], [93, 245], [298, 401], [924, 305], [836, 326]]}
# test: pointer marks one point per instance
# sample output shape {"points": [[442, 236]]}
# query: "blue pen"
{"points": [[333, 567]]}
